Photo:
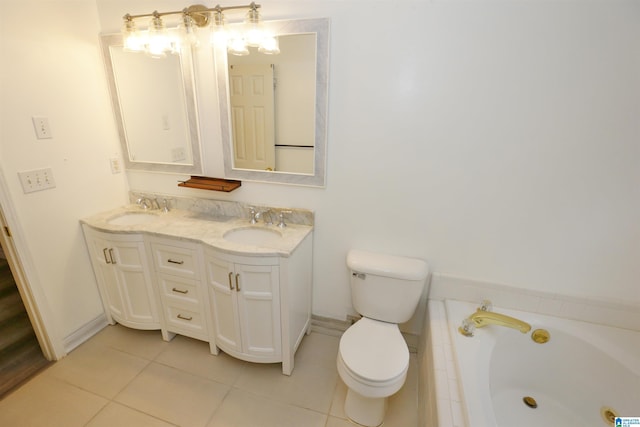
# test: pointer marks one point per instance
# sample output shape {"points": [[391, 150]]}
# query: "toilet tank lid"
{"points": [[392, 266]]}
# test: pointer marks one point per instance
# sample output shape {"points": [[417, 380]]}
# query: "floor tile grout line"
{"points": [[64, 381], [115, 402], [96, 414], [117, 393], [280, 402], [173, 368], [335, 390], [188, 373], [75, 386], [213, 414]]}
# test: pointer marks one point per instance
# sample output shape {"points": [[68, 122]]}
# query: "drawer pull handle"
{"points": [[180, 291], [175, 262], [189, 318], [230, 284], [113, 261], [237, 283], [104, 252]]}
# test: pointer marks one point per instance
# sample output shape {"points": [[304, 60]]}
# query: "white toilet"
{"points": [[373, 357]]}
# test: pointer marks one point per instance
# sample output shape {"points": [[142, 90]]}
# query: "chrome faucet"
{"points": [[255, 215], [252, 215], [282, 224], [144, 203], [266, 216], [147, 203], [484, 316], [165, 207]]}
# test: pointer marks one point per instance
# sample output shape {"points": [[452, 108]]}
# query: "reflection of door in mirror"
{"points": [[152, 101], [252, 116], [294, 103], [301, 74]]}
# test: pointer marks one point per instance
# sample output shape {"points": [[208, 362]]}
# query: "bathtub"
{"points": [[583, 374]]}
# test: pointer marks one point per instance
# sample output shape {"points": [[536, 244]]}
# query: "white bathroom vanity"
{"points": [[243, 288]]}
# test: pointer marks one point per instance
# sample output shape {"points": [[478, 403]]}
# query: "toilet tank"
{"points": [[386, 287]]}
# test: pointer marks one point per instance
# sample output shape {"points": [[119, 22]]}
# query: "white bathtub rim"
{"points": [[604, 311], [622, 345]]}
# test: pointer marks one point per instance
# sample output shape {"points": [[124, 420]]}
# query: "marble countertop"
{"points": [[197, 227]]}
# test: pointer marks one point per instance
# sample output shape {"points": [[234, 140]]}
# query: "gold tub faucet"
{"points": [[483, 317]]}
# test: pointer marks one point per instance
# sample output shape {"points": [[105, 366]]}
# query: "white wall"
{"points": [[498, 140], [50, 66]]}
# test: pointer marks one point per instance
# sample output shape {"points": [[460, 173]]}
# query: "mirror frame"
{"points": [[320, 27], [113, 40]]}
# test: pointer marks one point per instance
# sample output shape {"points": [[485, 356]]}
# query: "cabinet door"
{"points": [[134, 278], [259, 309], [223, 300], [106, 276]]}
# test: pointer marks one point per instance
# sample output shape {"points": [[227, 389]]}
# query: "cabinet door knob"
{"points": [[188, 318], [180, 291], [175, 262], [237, 283], [230, 284], [113, 261], [104, 252]]}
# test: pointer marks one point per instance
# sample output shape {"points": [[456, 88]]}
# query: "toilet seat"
{"points": [[374, 352]]}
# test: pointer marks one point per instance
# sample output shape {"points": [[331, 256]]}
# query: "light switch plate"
{"points": [[42, 128], [37, 180], [114, 162]]}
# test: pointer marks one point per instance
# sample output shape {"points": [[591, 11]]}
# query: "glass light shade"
{"points": [[187, 31], [159, 42], [219, 34], [253, 30], [269, 46], [133, 41]]}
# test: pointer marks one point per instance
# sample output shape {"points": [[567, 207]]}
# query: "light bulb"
{"points": [[133, 41], [237, 46], [269, 46], [253, 32], [159, 42], [219, 34], [188, 35]]}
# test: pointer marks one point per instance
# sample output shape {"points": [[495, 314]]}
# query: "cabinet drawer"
{"points": [[179, 290], [176, 261], [185, 321]]}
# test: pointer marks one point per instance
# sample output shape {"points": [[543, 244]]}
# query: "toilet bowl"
{"points": [[373, 360], [373, 357]]}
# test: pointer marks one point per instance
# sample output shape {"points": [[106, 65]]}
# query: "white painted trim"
{"points": [[85, 332], [29, 286]]}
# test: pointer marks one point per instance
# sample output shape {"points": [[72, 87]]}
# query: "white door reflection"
{"points": [[251, 88]]}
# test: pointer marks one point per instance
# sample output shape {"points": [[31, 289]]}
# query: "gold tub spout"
{"points": [[483, 318]]}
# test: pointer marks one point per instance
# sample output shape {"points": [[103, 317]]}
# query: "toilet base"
{"points": [[365, 411]]}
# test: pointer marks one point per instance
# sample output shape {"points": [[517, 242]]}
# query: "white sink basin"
{"points": [[252, 236], [132, 218]]}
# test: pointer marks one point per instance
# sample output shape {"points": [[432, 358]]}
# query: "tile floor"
{"points": [[124, 377]]}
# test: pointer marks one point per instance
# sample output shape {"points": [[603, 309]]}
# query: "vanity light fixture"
{"points": [[158, 40]]}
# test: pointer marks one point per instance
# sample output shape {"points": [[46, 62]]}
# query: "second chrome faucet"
{"points": [[255, 215]]}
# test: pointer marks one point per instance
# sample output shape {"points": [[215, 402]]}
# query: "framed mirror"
{"points": [[155, 108], [286, 142]]}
